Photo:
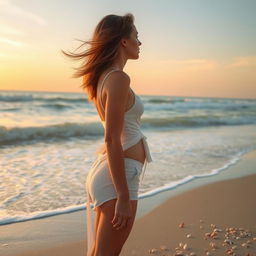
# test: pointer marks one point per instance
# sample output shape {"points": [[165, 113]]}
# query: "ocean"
{"points": [[48, 142]]}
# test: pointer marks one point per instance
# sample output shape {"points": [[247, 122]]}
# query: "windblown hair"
{"points": [[103, 50]]}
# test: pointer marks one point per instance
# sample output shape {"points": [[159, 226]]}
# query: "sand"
{"points": [[222, 205]]}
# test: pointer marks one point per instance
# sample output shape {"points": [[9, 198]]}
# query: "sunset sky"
{"points": [[189, 48]]}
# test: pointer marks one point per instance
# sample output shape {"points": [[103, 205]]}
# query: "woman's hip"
{"points": [[100, 174]]}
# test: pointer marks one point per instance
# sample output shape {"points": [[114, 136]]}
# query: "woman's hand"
{"points": [[123, 213]]}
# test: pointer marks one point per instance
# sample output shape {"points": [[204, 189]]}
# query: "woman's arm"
{"points": [[116, 98]]}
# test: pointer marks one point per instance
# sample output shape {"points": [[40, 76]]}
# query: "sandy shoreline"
{"points": [[225, 200]]}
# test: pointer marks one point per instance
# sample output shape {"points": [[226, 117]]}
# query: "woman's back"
{"points": [[134, 150]]}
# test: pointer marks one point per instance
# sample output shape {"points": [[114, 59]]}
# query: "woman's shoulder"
{"points": [[118, 74], [115, 78]]}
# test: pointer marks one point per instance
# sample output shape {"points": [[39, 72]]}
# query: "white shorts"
{"points": [[100, 186]]}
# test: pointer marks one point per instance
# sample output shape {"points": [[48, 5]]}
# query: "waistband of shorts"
{"points": [[127, 160], [132, 161]]}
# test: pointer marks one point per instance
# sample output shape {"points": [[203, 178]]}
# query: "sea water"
{"points": [[48, 142]]}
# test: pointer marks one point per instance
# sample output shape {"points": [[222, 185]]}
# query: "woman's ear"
{"points": [[123, 42]]}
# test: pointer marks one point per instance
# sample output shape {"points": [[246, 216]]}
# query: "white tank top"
{"points": [[131, 133]]}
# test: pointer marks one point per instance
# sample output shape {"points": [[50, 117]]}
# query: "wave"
{"points": [[31, 98], [169, 186], [196, 121], [64, 131], [17, 135], [56, 106], [212, 104]]}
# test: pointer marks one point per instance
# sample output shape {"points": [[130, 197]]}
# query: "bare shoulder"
{"points": [[117, 80]]}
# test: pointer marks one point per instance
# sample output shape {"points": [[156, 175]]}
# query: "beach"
{"points": [[207, 216]]}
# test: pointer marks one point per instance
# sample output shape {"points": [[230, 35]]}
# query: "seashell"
{"points": [[201, 227], [185, 246], [234, 247], [213, 226], [229, 251], [254, 239], [189, 235], [208, 234], [180, 244], [192, 254], [248, 242], [164, 248], [245, 245], [179, 254], [182, 225], [5, 244], [217, 230], [213, 245], [214, 234], [237, 238], [154, 250], [208, 253], [227, 241]]}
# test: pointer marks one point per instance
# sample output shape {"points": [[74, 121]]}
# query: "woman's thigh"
{"points": [[109, 239]]}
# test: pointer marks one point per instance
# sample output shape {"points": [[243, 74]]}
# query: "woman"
{"points": [[113, 181]]}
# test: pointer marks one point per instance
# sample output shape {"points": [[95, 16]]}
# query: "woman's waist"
{"points": [[136, 151]]}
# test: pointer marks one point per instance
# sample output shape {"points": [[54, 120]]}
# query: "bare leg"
{"points": [[96, 226], [109, 241]]}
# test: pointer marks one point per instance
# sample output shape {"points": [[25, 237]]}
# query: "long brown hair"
{"points": [[103, 50]]}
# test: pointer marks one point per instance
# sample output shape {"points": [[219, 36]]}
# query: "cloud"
{"points": [[11, 42], [245, 61], [190, 64], [202, 64], [7, 6]]}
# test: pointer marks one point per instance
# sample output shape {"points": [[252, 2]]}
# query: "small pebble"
{"points": [[153, 250], [185, 247], [182, 225], [164, 248]]}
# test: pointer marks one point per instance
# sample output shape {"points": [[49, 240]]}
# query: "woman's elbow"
{"points": [[112, 139]]}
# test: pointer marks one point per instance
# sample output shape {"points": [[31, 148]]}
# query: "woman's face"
{"points": [[132, 45]]}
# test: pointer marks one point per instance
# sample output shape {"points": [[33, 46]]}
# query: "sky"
{"points": [[197, 48]]}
